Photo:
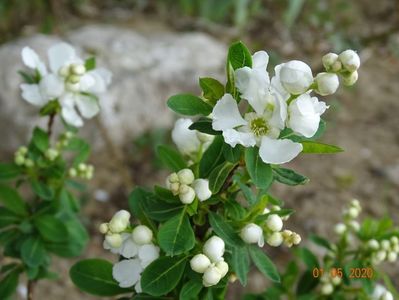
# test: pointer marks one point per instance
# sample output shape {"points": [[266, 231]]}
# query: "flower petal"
{"points": [[101, 78], [226, 114], [279, 115], [51, 86], [69, 112], [278, 151], [260, 60], [32, 60], [147, 254], [129, 248], [275, 84], [60, 55], [31, 93], [88, 105], [234, 137], [127, 272], [185, 139]]}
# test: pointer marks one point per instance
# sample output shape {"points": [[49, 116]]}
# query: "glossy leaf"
{"points": [[212, 157], [239, 56], [204, 125], [218, 176], [260, 172], [33, 252], [319, 148], [189, 105], [51, 229], [264, 264], [289, 177], [224, 230], [171, 158], [10, 198], [240, 263], [212, 89]]}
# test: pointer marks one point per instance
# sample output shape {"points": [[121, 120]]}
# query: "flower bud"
{"points": [[340, 228], [274, 223], [214, 248], [186, 194], [29, 163], [327, 83], [103, 228], [387, 296], [392, 256], [63, 71], [73, 87], [380, 255], [78, 69], [328, 60], [82, 167], [74, 79], [336, 280], [114, 240], [72, 172], [336, 67], [201, 188], [172, 178], [327, 289], [385, 245], [394, 240], [223, 267], [350, 60], [373, 244], [353, 212], [211, 276], [142, 235], [275, 240], [354, 225], [119, 221], [19, 160], [296, 77], [199, 263], [350, 79], [266, 211], [296, 238], [204, 137], [252, 234], [23, 150], [186, 176]]}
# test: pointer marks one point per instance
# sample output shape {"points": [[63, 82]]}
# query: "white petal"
{"points": [[185, 139], [234, 137], [51, 86], [279, 115], [275, 84], [129, 248], [226, 114], [127, 272], [32, 60], [201, 188], [69, 112], [137, 287], [31, 93], [260, 60], [60, 55], [88, 106], [147, 254], [102, 78], [278, 151]]}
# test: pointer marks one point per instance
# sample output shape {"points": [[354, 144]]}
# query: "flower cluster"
{"points": [[350, 214], [284, 101], [211, 263], [387, 249], [328, 283], [184, 184], [381, 293], [83, 170], [70, 81], [21, 158], [135, 245]]}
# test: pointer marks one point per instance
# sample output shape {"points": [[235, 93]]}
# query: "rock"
{"points": [[147, 69]]}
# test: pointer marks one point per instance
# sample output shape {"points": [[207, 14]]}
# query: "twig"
{"points": [[50, 124], [31, 285]]}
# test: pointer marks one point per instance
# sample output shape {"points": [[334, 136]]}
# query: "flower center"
{"points": [[259, 126]]}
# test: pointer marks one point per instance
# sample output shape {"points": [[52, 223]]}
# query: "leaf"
{"points": [[212, 157], [306, 283], [189, 105], [33, 252], [240, 263], [42, 190], [319, 148], [239, 56], [52, 107], [163, 275], [289, 177], [247, 192], [51, 229], [9, 171], [9, 284], [260, 173], [137, 199], [90, 63], [224, 230], [166, 195], [40, 139], [190, 290], [176, 236], [204, 125], [28, 78], [171, 158], [159, 210], [7, 217], [10, 198], [212, 89], [218, 176], [264, 264], [318, 240], [308, 258], [231, 154], [94, 276]]}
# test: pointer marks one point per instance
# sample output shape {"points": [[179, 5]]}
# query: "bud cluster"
{"points": [[64, 140], [350, 215], [51, 154], [381, 293], [83, 170], [21, 158], [345, 64], [328, 283], [211, 263], [384, 250], [72, 74], [184, 184]]}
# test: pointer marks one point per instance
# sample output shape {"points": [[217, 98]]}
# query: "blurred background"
{"points": [[158, 48]]}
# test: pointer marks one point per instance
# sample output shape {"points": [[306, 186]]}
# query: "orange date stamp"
{"points": [[354, 273]]}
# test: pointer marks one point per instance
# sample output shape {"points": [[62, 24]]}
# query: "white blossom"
{"points": [[252, 234], [214, 248], [127, 272], [296, 77], [201, 188], [147, 254], [199, 263], [185, 139]]}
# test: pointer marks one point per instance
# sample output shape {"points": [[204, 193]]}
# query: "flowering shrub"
{"points": [[38, 216], [208, 222]]}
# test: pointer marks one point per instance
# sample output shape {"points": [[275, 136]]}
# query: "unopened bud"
{"points": [[114, 240], [385, 245], [274, 223], [186, 194], [119, 221], [223, 267], [392, 256], [78, 69], [186, 176], [373, 244], [252, 234], [328, 60], [350, 79], [327, 289], [201, 188], [103, 228], [350, 60], [199, 263], [19, 160], [275, 239], [327, 83], [214, 248], [340, 228], [211, 276], [29, 163], [142, 235]]}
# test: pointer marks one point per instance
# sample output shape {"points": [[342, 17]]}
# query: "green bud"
{"points": [[19, 160], [29, 163]]}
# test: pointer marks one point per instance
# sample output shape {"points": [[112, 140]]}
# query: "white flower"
{"points": [[147, 254], [127, 272], [275, 239], [186, 194], [32, 60], [211, 276], [327, 289], [252, 234], [201, 188], [126, 247], [142, 235], [223, 267], [296, 77], [350, 60], [304, 115], [326, 83], [113, 240], [274, 222], [186, 176], [340, 228], [214, 248], [185, 139], [199, 263], [119, 222]]}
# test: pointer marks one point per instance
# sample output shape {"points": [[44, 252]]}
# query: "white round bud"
{"points": [[328, 60], [63, 71], [103, 228], [199, 263], [223, 267], [174, 188], [73, 87], [327, 289], [353, 212], [296, 77], [172, 178], [23, 150], [387, 296], [19, 160], [78, 69], [74, 79], [350, 60], [380, 255], [327, 83], [211, 276], [114, 240], [336, 280], [82, 167], [373, 244], [119, 221], [274, 223], [204, 137], [252, 234], [385, 245], [214, 248], [394, 240], [186, 194], [186, 176], [392, 256], [29, 163], [350, 79], [354, 225], [201, 188], [275, 240], [72, 172], [296, 238], [266, 211], [142, 235]]}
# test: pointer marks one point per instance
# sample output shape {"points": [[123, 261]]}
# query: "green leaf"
{"points": [[50, 228], [308, 258], [218, 176], [204, 125], [28, 78], [260, 173], [7, 217], [166, 195], [137, 199], [40, 139], [212, 157], [264, 264], [212, 89], [190, 290], [189, 105], [9, 171], [306, 283], [318, 240], [10, 198], [33, 252], [163, 275], [319, 148], [159, 210], [176, 236], [247, 192], [52, 107], [224, 230], [94, 276], [171, 158], [42, 190], [90, 63], [9, 284], [239, 56], [232, 155], [289, 177], [240, 263]]}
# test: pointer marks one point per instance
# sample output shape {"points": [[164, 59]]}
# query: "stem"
{"points": [[31, 285], [50, 124]]}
